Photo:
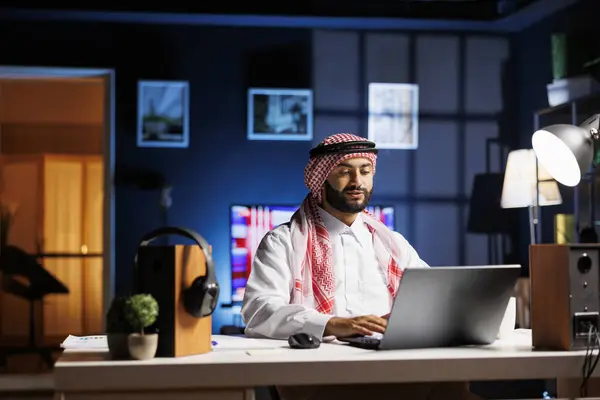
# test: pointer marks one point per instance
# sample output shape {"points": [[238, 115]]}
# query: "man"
{"points": [[356, 261], [333, 270]]}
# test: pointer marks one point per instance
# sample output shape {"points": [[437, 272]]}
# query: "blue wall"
{"points": [[220, 167]]}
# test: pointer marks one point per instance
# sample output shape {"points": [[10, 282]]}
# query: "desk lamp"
{"points": [[520, 186], [567, 151]]}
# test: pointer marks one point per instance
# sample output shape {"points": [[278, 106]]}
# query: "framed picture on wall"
{"points": [[163, 114], [394, 115], [280, 114]]}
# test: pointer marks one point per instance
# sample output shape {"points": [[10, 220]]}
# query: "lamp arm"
{"points": [[592, 122], [592, 126]]}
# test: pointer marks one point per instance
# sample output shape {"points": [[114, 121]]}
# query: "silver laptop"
{"points": [[446, 307]]}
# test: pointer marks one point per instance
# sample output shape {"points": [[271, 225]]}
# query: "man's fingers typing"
{"points": [[371, 326], [361, 329], [374, 327], [376, 320]]}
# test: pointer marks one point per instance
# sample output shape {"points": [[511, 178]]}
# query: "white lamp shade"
{"points": [[519, 188], [565, 151]]}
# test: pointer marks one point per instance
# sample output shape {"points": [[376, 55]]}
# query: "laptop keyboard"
{"points": [[364, 342]]}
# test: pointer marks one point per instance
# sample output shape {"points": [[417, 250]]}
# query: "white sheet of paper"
{"points": [[85, 342]]}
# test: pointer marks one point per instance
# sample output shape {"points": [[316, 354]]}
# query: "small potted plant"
{"points": [[141, 311], [118, 329]]}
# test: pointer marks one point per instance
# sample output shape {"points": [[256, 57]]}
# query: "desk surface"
{"points": [[240, 362]]}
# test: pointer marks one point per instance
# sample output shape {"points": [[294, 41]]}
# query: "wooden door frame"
{"points": [[108, 76]]}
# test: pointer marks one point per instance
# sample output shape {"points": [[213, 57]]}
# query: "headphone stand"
{"points": [[165, 272]]}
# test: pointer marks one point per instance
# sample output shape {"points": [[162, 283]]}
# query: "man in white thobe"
{"points": [[333, 270]]}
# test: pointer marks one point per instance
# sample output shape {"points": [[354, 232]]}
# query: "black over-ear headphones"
{"points": [[200, 298]]}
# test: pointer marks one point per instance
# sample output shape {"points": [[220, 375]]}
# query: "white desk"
{"points": [[230, 372]]}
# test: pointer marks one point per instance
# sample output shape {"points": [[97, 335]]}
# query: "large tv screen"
{"points": [[249, 224]]}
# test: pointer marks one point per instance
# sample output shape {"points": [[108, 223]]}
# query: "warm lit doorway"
{"points": [[57, 160]]}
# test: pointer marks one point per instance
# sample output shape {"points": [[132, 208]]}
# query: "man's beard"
{"points": [[338, 200]]}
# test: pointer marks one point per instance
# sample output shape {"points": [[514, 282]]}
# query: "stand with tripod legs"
{"points": [[16, 262]]}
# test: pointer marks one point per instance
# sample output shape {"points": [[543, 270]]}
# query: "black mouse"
{"points": [[303, 341]]}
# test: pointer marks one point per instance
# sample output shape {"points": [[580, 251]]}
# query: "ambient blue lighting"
{"points": [[513, 23]]}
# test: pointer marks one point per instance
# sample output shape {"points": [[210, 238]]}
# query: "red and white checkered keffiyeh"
{"points": [[312, 260]]}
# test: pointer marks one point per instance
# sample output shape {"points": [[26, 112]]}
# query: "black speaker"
{"points": [[565, 295]]}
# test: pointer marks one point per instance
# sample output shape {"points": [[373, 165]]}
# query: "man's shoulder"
{"points": [[400, 237], [281, 230], [398, 234], [395, 233], [278, 235]]}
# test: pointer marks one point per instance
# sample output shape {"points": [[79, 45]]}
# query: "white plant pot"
{"points": [[564, 90], [142, 347]]}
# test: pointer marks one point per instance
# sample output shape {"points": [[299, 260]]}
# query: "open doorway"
{"points": [[56, 169]]}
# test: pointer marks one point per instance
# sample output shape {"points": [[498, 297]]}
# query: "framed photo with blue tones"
{"points": [[394, 115], [163, 114], [280, 114]]}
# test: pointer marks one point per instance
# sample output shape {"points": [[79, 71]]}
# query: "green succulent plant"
{"points": [[141, 311]]}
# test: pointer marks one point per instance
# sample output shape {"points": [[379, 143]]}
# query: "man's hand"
{"points": [[345, 327]]}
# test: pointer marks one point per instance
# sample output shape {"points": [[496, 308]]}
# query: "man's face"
{"points": [[349, 186]]}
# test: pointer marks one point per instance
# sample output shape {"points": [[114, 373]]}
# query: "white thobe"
{"points": [[360, 282]]}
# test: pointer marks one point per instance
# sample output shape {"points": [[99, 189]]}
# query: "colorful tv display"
{"points": [[249, 224]]}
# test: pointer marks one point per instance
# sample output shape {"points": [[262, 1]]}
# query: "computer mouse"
{"points": [[303, 341]]}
